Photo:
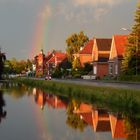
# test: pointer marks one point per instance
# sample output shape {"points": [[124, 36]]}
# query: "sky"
{"points": [[27, 26]]}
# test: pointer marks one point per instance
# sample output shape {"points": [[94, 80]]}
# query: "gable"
{"points": [[113, 52]]}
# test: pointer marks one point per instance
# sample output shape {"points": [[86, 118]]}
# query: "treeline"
{"points": [[14, 66]]}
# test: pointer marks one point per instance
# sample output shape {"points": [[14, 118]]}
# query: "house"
{"points": [[100, 54], [116, 54], [85, 55], [54, 59], [40, 64], [117, 126]]}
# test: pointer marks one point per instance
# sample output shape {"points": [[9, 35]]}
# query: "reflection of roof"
{"points": [[103, 126], [55, 102], [103, 44], [87, 117], [85, 108], [87, 48], [120, 44]]}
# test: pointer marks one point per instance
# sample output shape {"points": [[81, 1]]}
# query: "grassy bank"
{"points": [[68, 89]]}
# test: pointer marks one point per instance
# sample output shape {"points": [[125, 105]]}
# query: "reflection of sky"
{"points": [[26, 121]]}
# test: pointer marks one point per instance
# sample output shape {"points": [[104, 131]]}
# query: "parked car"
{"points": [[48, 77]]}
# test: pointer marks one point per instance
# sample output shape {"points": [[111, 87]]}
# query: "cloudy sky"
{"points": [[26, 26]]}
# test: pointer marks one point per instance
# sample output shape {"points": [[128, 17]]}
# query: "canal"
{"points": [[32, 114]]}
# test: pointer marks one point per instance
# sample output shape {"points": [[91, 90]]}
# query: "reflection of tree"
{"points": [[2, 104], [74, 120], [16, 90]]}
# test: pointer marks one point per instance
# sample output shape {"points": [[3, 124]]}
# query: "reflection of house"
{"points": [[85, 54], [117, 127], [116, 54], [40, 98], [101, 52], [101, 120], [85, 112], [55, 102]]}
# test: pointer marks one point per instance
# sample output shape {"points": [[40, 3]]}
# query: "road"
{"points": [[125, 85]]}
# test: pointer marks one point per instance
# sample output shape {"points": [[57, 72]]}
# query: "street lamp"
{"points": [[136, 43]]}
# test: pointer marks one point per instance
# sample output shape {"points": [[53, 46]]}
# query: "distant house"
{"points": [[101, 52], [40, 64], [116, 54], [85, 55], [54, 59]]}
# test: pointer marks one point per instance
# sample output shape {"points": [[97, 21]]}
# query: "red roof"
{"points": [[103, 44], [59, 56], [87, 48], [120, 44]]}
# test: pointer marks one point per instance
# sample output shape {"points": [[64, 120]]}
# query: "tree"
{"points": [[2, 59], [76, 63], [74, 43], [131, 62]]}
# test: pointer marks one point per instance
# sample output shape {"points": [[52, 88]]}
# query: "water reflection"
{"points": [[3, 113], [42, 98], [80, 115]]}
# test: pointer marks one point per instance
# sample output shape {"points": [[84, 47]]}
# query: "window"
{"points": [[116, 69], [110, 69]]}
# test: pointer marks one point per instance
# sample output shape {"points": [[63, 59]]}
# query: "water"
{"points": [[31, 114]]}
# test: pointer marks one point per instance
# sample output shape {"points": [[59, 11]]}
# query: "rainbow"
{"points": [[40, 35]]}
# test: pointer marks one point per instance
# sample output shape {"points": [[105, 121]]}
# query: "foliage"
{"points": [[131, 62], [87, 68], [17, 67], [57, 73], [76, 63], [2, 59], [74, 42]]}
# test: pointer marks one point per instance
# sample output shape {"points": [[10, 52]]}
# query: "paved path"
{"points": [[125, 85]]}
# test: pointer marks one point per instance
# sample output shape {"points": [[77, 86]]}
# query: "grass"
{"points": [[80, 91]]}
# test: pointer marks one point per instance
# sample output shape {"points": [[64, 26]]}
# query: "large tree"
{"points": [[131, 62], [2, 59], [74, 43]]}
